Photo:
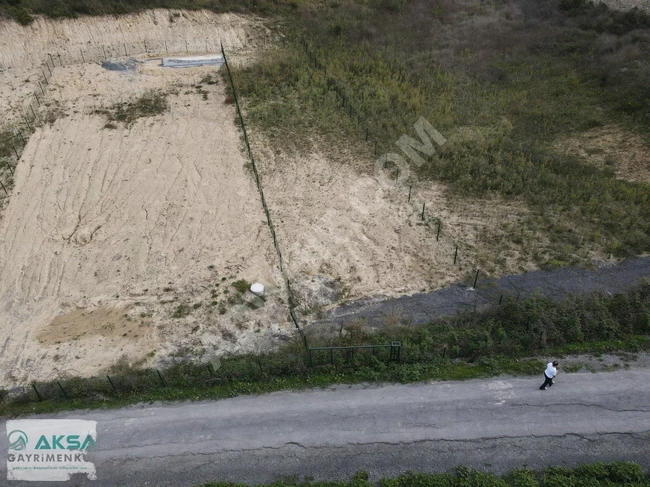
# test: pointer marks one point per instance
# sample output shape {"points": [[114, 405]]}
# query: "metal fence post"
{"points": [[62, 390], [111, 383], [162, 381], [36, 391]]}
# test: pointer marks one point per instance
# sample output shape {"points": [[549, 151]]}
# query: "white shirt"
{"points": [[550, 370]]}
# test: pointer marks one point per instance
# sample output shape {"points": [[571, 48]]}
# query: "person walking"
{"points": [[549, 375]]}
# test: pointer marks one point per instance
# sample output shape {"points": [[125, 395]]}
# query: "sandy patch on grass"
{"points": [[125, 240], [612, 148]]}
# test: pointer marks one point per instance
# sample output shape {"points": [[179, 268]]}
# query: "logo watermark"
{"points": [[411, 147], [50, 449]]}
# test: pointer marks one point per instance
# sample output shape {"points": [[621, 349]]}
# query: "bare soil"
{"points": [[122, 242]]}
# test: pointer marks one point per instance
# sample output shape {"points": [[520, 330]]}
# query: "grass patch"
{"points": [[150, 104], [182, 311], [501, 88], [241, 285], [616, 474]]}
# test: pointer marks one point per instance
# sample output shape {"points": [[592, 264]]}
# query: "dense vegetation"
{"points": [[501, 340], [23, 11], [505, 82], [617, 474]]}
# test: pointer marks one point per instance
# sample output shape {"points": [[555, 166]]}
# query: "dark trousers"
{"points": [[548, 382]]}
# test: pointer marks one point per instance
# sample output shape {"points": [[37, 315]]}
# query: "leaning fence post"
{"points": [[475, 279], [395, 351], [456, 254], [423, 205], [438, 232], [162, 381], [111, 383], [62, 390], [5, 189], [500, 299], [36, 391]]}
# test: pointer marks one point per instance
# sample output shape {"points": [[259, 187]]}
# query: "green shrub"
{"points": [[242, 285]]}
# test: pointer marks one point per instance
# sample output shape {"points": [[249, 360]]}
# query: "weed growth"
{"points": [[150, 104]]}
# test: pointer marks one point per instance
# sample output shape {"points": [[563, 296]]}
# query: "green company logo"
{"points": [[17, 440], [63, 442]]}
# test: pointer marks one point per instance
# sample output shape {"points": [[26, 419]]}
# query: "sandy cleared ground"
{"points": [[343, 229], [29, 46], [123, 242], [25, 50]]}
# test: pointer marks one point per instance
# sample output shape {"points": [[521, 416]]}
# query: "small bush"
{"points": [[20, 14], [242, 285], [181, 311], [150, 104]]}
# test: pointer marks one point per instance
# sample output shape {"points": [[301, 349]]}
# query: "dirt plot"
{"points": [[22, 47], [124, 240], [342, 228]]}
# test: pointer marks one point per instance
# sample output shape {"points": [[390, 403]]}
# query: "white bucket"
{"points": [[258, 289]]}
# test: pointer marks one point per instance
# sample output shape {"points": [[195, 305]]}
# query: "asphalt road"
{"points": [[494, 425]]}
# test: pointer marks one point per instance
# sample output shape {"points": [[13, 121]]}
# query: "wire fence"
{"points": [[34, 110], [232, 373], [258, 182], [346, 101]]}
